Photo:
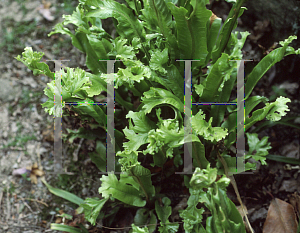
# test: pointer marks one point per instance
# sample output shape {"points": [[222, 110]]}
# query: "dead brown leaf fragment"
{"points": [[295, 201], [281, 218], [212, 18], [44, 10], [35, 171]]}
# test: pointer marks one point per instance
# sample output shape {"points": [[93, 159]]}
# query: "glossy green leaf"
{"points": [[198, 28], [142, 124], [141, 216], [65, 228], [184, 36], [137, 229], [228, 219], [192, 216], [77, 18], [63, 91], [92, 110], [172, 81], [205, 129], [203, 178], [75, 80], [92, 60], [168, 135], [135, 140], [225, 217], [128, 160], [258, 149], [111, 186], [32, 61], [63, 194], [81, 40], [121, 49], [59, 28], [212, 36], [135, 5], [152, 222], [287, 121], [128, 26], [237, 45], [215, 79], [199, 155], [272, 111], [163, 18], [267, 62], [158, 59], [218, 111], [158, 96], [92, 208], [98, 85], [283, 159], [98, 47], [142, 176], [163, 213], [252, 102], [230, 24]]}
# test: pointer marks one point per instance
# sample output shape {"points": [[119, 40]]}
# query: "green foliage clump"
{"points": [[152, 36]]}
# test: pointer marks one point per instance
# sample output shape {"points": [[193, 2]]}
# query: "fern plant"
{"points": [[152, 36]]}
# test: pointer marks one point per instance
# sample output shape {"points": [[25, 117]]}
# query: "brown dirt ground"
{"points": [[26, 131]]}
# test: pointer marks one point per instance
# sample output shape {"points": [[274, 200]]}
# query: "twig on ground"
{"points": [[1, 195], [30, 199], [232, 181], [27, 206], [8, 205]]}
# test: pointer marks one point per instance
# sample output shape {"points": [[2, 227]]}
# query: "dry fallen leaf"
{"points": [[58, 220], [44, 10], [295, 201], [35, 171], [281, 218], [48, 134]]}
